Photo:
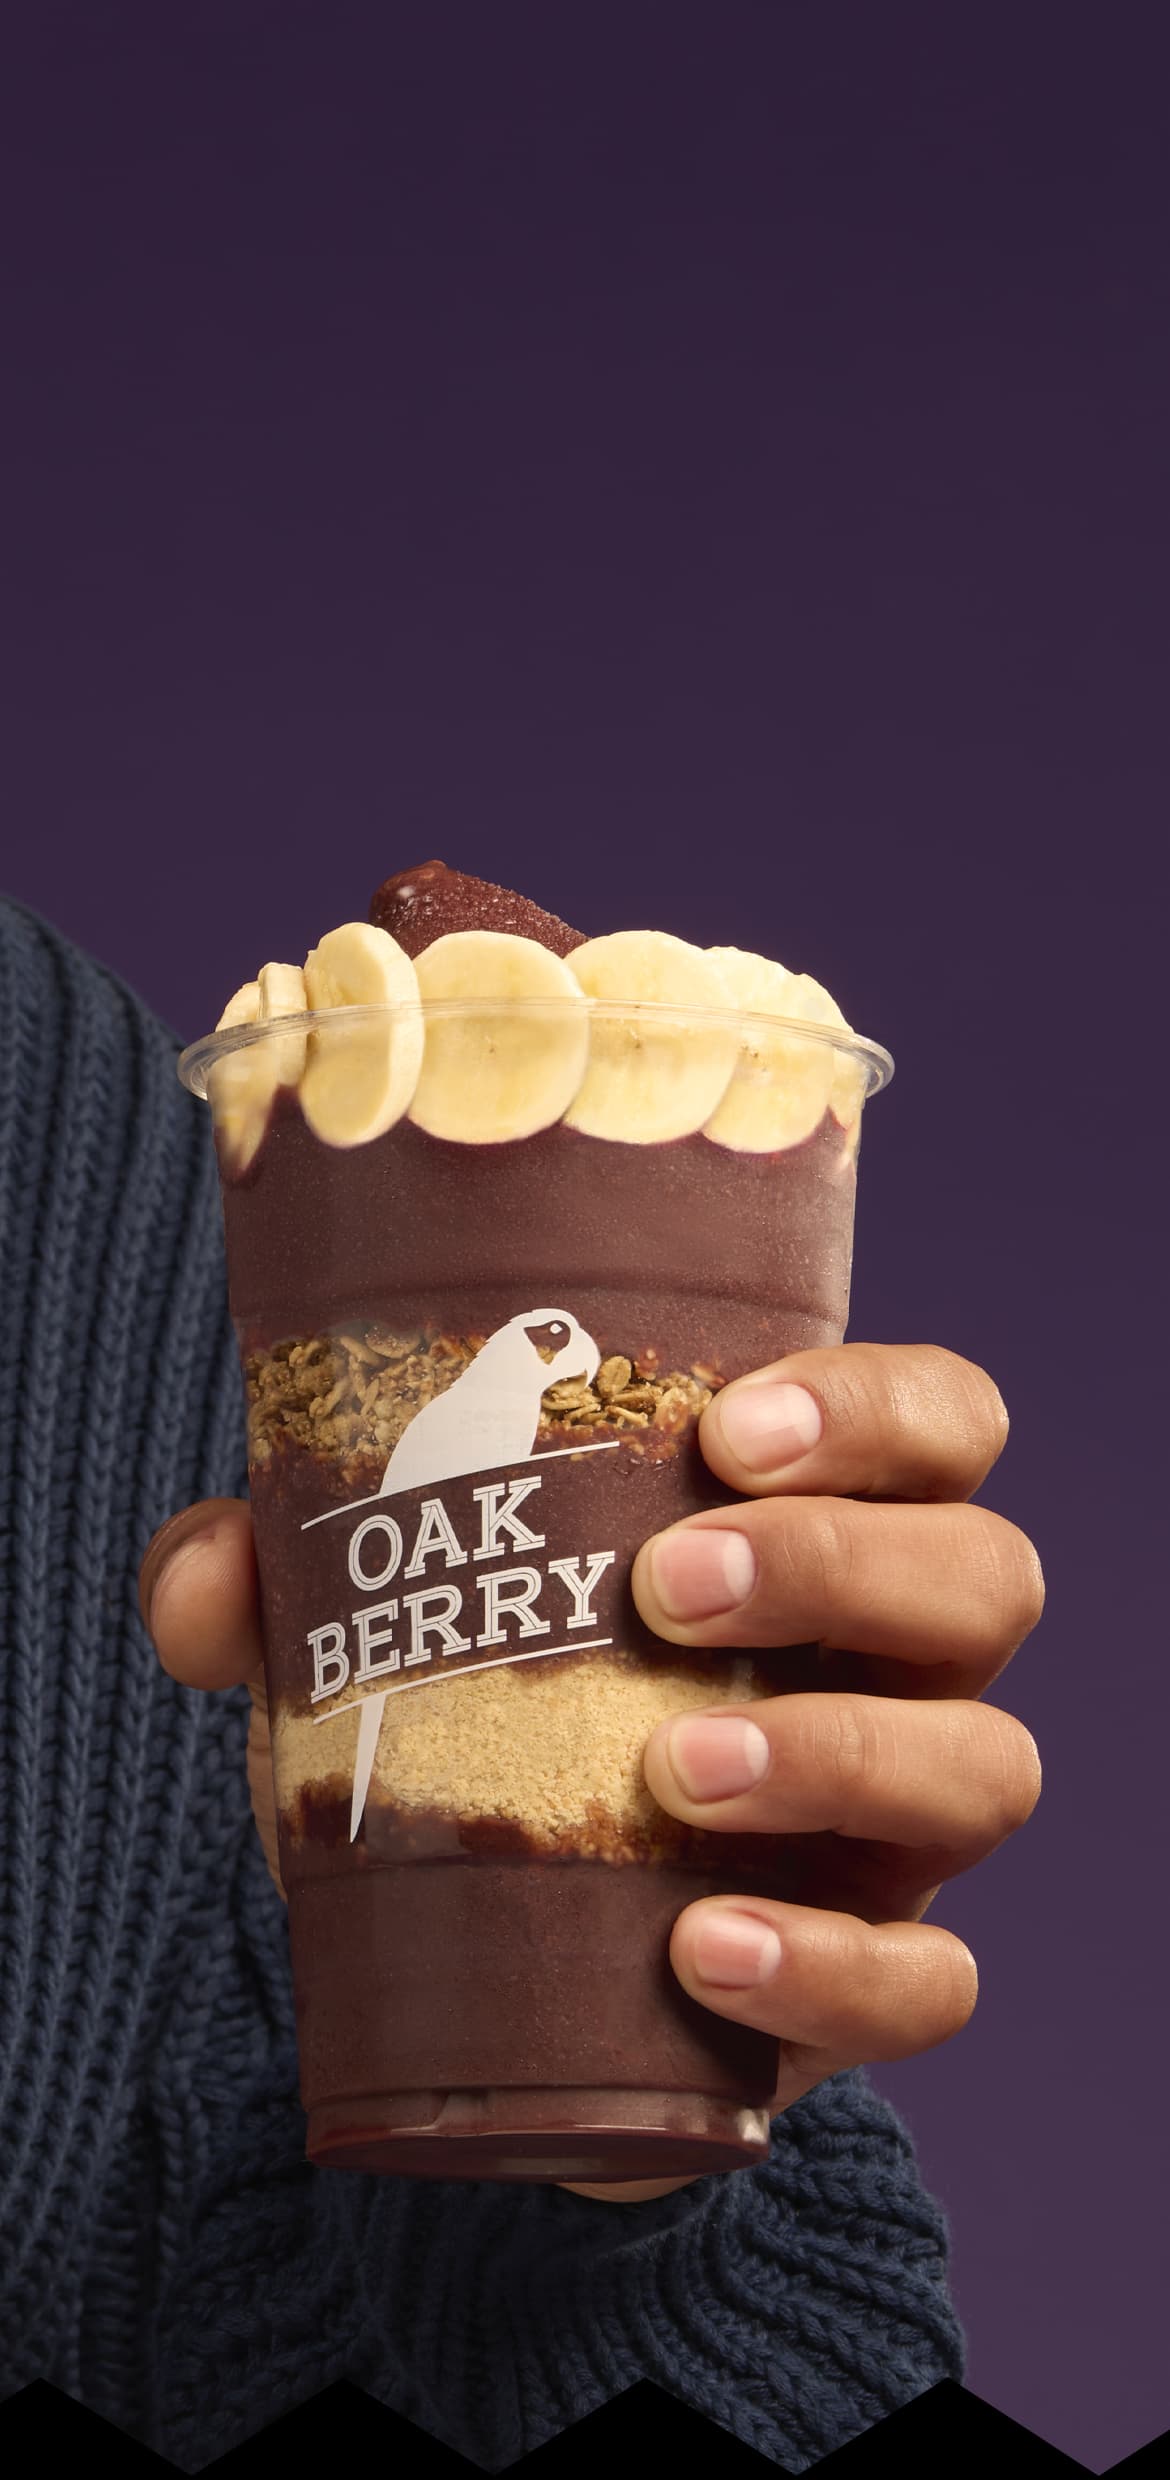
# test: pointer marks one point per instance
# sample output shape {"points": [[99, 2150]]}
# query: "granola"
{"points": [[351, 1395]]}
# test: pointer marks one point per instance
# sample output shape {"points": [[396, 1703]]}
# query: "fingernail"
{"points": [[697, 1575], [165, 1554], [733, 1951], [714, 1756], [768, 1425]]}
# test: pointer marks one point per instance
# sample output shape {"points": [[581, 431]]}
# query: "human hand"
{"points": [[862, 1545]]}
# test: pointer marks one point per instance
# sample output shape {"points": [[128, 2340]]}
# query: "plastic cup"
{"points": [[474, 1373]]}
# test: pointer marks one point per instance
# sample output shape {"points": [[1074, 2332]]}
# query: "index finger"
{"points": [[858, 1420], [199, 1595]]}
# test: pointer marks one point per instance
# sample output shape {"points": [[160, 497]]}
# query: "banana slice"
{"points": [[651, 1077], [781, 1086], [847, 1093], [359, 1077], [493, 1073], [240, 1086], [282, 993], [242, 1008]]}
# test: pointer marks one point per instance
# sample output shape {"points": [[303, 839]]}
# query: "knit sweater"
{"points": [[167, 2254]]}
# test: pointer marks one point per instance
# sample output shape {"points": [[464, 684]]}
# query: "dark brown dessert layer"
{"points": [[716, 1256], [316, 1826], [449, 1976]]}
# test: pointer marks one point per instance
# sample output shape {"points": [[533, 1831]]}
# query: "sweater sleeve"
{"points": [[167, 2254], [796, 2303]]}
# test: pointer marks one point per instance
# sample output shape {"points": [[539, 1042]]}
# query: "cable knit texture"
{"points": [[167, 2255]]}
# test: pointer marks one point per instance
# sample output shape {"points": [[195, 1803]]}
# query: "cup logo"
{"points": [[489, 1417], [486, 1421]]}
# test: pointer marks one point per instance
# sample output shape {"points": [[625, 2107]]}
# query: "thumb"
{"points": [[199, 1595]]}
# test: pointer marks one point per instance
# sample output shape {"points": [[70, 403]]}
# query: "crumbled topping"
{"points": [[351, 1395]]}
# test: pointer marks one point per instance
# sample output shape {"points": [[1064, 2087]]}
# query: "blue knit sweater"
{"points": [[167, 2255]]}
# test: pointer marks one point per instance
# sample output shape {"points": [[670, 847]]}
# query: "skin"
{"points": [[864, 1544]]}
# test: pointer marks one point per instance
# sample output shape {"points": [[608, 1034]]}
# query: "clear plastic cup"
{"points": [[475, 1367]]}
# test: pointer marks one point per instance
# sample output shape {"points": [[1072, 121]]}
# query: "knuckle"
{"points": [[986, 1410], [928, 1984], [824, 1546], [899, 1398], [1031, 1581], [1004, 1572], [942, 1416], [1021, 1772], [859, 1374], [998, 1758], [958, 1984], [947, 1989], [972, 1409], [847, 1744], [809, 1552], [1022, 1578]]}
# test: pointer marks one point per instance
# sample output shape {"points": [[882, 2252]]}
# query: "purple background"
{"points": [[705, 465]]}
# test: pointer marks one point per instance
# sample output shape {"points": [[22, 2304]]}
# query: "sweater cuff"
{"points": [[796, 2303]]}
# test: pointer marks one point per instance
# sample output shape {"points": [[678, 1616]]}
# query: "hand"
{"points": [[862, 1544], [857, 1538]]}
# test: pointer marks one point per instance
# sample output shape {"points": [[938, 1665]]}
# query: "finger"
{"points": [[839, 1991], [957, 1587], [864, 1420], [952, 1779], [199, 1595]]}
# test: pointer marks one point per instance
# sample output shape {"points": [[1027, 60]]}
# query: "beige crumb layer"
{"points": [[544, 1745]]}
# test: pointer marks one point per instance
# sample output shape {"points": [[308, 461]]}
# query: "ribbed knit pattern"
{"points": [[167, 2255]]}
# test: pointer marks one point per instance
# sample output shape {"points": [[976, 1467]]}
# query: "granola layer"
{"points": [[350, 1396]]}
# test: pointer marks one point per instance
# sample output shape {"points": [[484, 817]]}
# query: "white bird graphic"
{"points": [[490, 1416]]}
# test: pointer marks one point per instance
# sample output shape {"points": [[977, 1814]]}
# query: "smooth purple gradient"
{"points": [[706, 467]]}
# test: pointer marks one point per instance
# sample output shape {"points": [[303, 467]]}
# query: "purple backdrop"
{"points": [[705, 465]]}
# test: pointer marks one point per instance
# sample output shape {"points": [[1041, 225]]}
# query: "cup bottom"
{"points": [[438, 2002], [537, 2133]]}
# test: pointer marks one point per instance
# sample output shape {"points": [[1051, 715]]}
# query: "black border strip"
{"points": [[646, 2425]]}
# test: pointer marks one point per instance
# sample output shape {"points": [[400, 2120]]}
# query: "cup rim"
{"points": [[197, 1060]]}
